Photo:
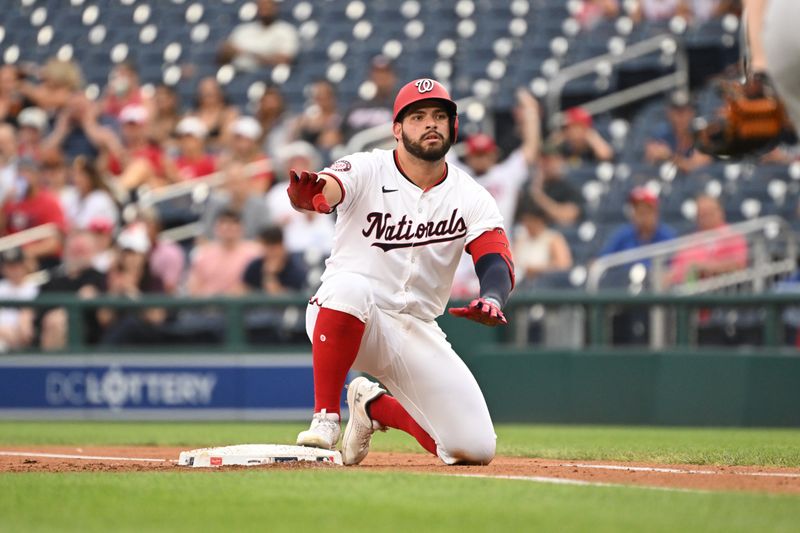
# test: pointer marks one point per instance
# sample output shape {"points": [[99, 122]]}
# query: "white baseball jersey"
{"points": [[405, 240]]}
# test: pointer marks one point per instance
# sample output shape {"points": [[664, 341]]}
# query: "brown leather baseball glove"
{"points": [[751, 120]]}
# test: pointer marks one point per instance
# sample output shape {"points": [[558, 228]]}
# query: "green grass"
{"points": [[767, 447], [354, 500], [359, 500]]}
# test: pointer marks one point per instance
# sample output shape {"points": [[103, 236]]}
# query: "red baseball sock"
{"points": [[337, 337], [388, 412]]}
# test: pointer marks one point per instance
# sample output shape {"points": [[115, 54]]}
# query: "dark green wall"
{"points": [[625, 387]]}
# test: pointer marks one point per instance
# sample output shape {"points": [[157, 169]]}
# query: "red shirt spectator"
{"points": [[245, 148], [42, 207], [138, 161], [727, 253], [218, 265], [123, 89], [194, 161], [33, 207], [189, 169]]}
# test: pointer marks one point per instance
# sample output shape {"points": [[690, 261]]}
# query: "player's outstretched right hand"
{"points": [[305, 192], [481, 310]]}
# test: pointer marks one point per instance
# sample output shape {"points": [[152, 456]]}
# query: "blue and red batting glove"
{"points": [[484, 310], [305, 192]]}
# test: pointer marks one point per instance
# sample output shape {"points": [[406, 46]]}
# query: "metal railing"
{"points": [[756, 231], [24, 237], [762, 269], [664, 43], [599, 305], [191, 187], [232, 312]]}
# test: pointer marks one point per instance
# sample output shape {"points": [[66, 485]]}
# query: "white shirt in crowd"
{"points": [[98, 204], [9, 316], [532, 252], [302, 232], [656, 10], [504, 181], [254, 39]]}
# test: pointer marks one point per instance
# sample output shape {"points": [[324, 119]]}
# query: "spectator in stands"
{"points": [[644, 226], [275, 120], [592, 12], [236, 194], [277, 271], [102, 230], [166, 114], [727, 253], [538, 249], [56, 178], [674, 139], [695, 11], [376, 109], [136, 161], [33, 205], [16, 324], [320, 122], [123, 89], [32, 126], [245, 148], [193, 160], [77, 130], [129, 277], [12, 101], [266, 41], [94, 199], [578, 141], [167, 259], [504, 179], [212, 107], [307, 232], [217, 266], [550, 192], [76, 277], [59, 82], [8, 161]]}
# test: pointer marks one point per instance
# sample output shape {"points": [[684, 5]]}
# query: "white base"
{"points": [[257, 454]]}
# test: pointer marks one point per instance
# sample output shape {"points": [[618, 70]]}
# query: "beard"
{"points": [[267, 20], [429, 154]]}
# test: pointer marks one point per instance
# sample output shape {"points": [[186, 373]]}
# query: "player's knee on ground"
{"points": [[477, 448], [349, 293]]}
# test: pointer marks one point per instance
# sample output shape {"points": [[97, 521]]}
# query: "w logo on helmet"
{"points": [[424, 85]]}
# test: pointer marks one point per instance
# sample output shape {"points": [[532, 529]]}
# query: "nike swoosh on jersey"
{"points": [[385, 190]]}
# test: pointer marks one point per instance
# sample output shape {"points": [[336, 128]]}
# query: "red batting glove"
{"points": [[305, 192], [481, 310]]}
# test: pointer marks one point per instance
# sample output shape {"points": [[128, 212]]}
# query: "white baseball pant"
{"points": [[413, 360]]}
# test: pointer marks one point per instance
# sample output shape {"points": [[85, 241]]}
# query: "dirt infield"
{"points": [[22, 459]]}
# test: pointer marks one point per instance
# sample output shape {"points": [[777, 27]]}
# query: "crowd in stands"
{"points": [[88, 166]]}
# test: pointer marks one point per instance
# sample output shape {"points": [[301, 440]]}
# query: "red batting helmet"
{"points": [[426, 89]]}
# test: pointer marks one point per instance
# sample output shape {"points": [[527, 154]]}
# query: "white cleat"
{"points": [[360, 427], [323, 433]]}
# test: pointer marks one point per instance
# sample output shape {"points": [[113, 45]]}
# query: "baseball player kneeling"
{"points": [[404, 217]]}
